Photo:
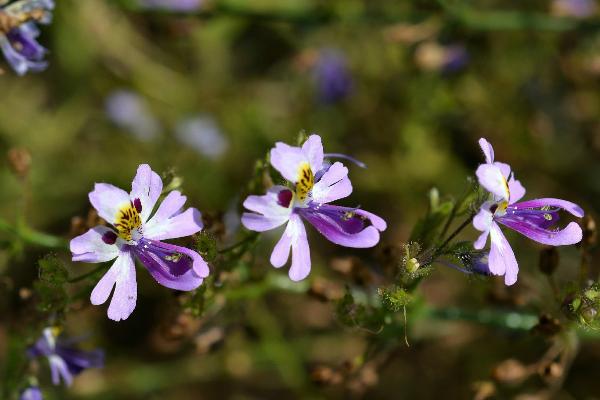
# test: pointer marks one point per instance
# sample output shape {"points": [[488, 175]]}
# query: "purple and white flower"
{"points": [[31, 393], [65, 360], [129, 111], [18, 34], [316, 183], [333, 79], [134, 234], [534, 218]]}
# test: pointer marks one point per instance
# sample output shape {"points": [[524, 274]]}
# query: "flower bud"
{"points": [[549, 259], [19, 162], [412, 265]]}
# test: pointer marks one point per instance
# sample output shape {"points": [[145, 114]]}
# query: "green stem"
{"points": [[31, 236], [250, 238]]}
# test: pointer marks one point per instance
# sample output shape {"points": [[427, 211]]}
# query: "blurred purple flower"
{"points": [[333, 79], [31, 393], [534, 218], [173, 5], [135, 235], [18, 34], [448, 59], [65, 360], [350, 227], [575, 8], [202, 134], [128, 111], [456, 58]]}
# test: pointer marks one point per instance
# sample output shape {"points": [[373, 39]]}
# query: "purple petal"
{"points": [[273, 214], [313, 150], [19, 63], [344, 226], [90, 247], [281, 252], [58, 370], [517, 191], [181, 225], [79, 360], [491, 178], [288, 161], [31, 393], [172, 266], [260, 223], [171, 205], [487, 149], [108, 200], [300, 251], [333, 185], [146, 186], [569, 207], [502, 260], [571, 234]]}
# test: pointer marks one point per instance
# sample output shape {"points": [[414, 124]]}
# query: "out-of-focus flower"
{"points": [[332, 76], [315, 184], [65, 360], [574, 8], [534, 218], [202, 134], [31, 393], [135, 234], [18, 34], [173, 5], [128, 111], [432, 56]]}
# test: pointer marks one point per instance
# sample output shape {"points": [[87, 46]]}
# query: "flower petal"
{"points": [[333, 185], [124, 298], [273, 214], [300, 250], [171, 205], [517, 191], [492, 179], [281, 252], [108, 200], [288, 161], [569, 207], [344, 226], [58, 370], [260, 223], [146, 186], [313, 149], [181, 225], [502, 260], [487, 149], [90, 247]]}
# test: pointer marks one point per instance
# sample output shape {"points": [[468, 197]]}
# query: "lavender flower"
{"points": [[534, 218], [135, 234], [447, 59], [315, 185], [574, 8], [31, 393], [333, 79], [18, 34], [128, 111], [172, 5], [65, 360], [202, 134]]}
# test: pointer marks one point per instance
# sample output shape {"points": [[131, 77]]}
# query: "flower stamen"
{"points": [[128, 219]]}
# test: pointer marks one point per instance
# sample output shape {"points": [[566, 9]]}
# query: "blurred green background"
{"points": [[428, 79]]}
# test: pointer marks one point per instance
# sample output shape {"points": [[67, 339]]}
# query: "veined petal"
{"points": [[108, 200], [313, 150], [300, 250], [569, 207], [571, 234], [333, 185], [268, 213], [492, 179], [90, 247], [488, 150], [181, 225], [502, 260], [146, 186], [261, 223], [344, 226], [172, 266], [288, 161]]}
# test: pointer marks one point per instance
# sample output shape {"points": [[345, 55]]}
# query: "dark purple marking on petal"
{"points": [[109, 237], [137, 203], [284, 198]]}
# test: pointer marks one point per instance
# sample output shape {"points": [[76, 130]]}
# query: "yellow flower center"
{"points": [[128, 218], [306, 182]]}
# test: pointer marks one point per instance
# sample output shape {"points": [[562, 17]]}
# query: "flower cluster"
{"points": [[18, 34]]}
